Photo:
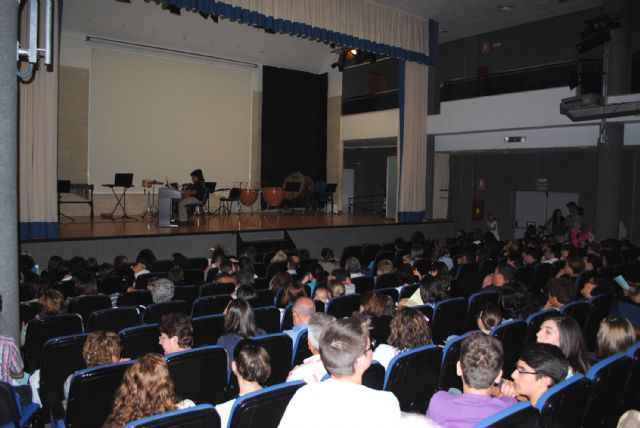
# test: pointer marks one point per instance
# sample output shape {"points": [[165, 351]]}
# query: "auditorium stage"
{"points": [[104, 239]]}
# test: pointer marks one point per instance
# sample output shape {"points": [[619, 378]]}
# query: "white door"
{"points": [[348, 180], [392, 186], [536, 207]]}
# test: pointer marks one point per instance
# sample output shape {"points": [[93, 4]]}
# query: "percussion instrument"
{"points": [[147, 183], [248, 197], [304, 192], [273, 196]]}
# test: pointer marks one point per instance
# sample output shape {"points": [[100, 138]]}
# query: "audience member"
{"points": [[323, 294], [574, 266], [409, 329], [252, 367], [279, 257], [312, 369], [301, 313], [328, 261], [616, 334], [376, 305], [517, 301], [176, 275], [384, 266], [291, 293], [480, 366], [162, 290], [147, 389], [502, 275], [246, 292], [239, 323], [176, 333], [565, 333], [344, 277], [490, 316], [86, 285], [560, 291], [345, 350]]}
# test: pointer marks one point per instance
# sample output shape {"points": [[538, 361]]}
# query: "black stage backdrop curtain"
{"points": [[294, 125]]}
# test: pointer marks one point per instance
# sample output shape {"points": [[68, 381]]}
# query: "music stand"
{"points": [[291, 187], [124, 180], [329, 190]]}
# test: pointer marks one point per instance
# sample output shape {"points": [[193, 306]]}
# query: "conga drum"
{"points": [[248, 197], [273, 196]]}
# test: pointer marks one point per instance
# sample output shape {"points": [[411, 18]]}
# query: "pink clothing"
{"points": [[310, 371], [10, 359]]}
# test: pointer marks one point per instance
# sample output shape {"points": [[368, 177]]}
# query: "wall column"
{"points": [[9, 167], [609, 181]]}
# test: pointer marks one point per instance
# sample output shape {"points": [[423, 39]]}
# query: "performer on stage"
{"points": [[195, 195]]}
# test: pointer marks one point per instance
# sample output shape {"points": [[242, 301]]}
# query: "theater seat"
{"points": [[448, 319], [380, 330], [207, 330], [135, 298], [631, 396], [391, 292], [279, 348], [92, 393], [85, 305], [563, 405], [578, 310], [263, 298], [42, 329], [287, 318], [364, 284], [201, 416], [200, 374], [609, 377], [114, 319], [521, 415], [598, 310], [156, 311], [210, 305], [216, 289], [475, 303], [263, 408], [11, 412], [268, 319], [373, 377], [140, 340], [512, 334], [343, 306], [412, 376], [450, 355], [300, 349]]}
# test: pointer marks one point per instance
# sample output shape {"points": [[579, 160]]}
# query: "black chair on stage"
{"points": [[412, 376], [210, 305], [300, 348], [608, 377], [140, 340], [578, 310], [200, 416], [11, 413], [268, 319], [563, 405], [343, 306], [188, 367], [226, 203], [86, 305], [279, 348], [61, 357], [476, 302], [114, 319], [598, 310], [448, 319], [391, 292], [42, 329], [125, 181], [512, 334], [216, 289], [135, 298], [207, 330], [521, 415], [188, 293], [373, 377], [263, 408], [363, 284], [92, 393], [156, 311]]}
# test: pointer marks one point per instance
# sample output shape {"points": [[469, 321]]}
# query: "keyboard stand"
{"points": [[121, 201]]}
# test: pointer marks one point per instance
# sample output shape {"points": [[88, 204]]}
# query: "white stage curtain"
{"points": [[412, 141], [38, 141]]}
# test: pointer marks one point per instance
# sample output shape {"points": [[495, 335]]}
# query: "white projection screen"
{"points": [[160, 117]]}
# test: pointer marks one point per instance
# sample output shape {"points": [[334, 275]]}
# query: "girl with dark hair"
{"points": [[409, 329], [489, 317], [517, 301], [565, 333], [239, 323]]}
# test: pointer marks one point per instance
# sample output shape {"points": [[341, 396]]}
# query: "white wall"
{"points": [[376, 124]]}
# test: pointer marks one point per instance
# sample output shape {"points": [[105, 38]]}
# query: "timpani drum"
{"points": [[273, 196], [248, 197]]}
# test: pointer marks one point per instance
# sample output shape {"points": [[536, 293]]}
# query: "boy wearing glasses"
{"points": [[539, 368], [480, 366]]}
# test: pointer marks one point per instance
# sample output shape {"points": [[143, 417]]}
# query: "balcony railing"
{"points": [[371, 102]]}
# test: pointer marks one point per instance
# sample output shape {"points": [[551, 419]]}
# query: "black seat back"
{"points": [[268, 319], [352, 251], [156, 311], [162, 265], [61, 356], [200, 374], [92, 393], [451, 354], [42, 329], [373, 377], [412, 376], [300, 348], [263, 408], [521, 415], [143, 279], [287, 318], [631, 396], [387, 280], [114, 319], [263, 298], [28, 311], [363, 284], [475, 305], [380, 329], [200, 263], [512, 334], [563, 405], [9, 411], [207, 330], [216, 289], [406, 291], [279, 348], [449, 318], [188, 293], [85, 305], [67, 288], [135, 298], [343, 306], [210, 305], [140, 340], [274, 268], [609, 377], [578, 310], [391, 292], [598, 310], [524, 274], [467, 282], [110, 285], [542, 272], [200, 416]]}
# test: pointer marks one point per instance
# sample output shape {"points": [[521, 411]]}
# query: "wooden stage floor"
{"points": [[83, 228]]}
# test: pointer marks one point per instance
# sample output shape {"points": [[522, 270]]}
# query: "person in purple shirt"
{"points": [[480, 366]]}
